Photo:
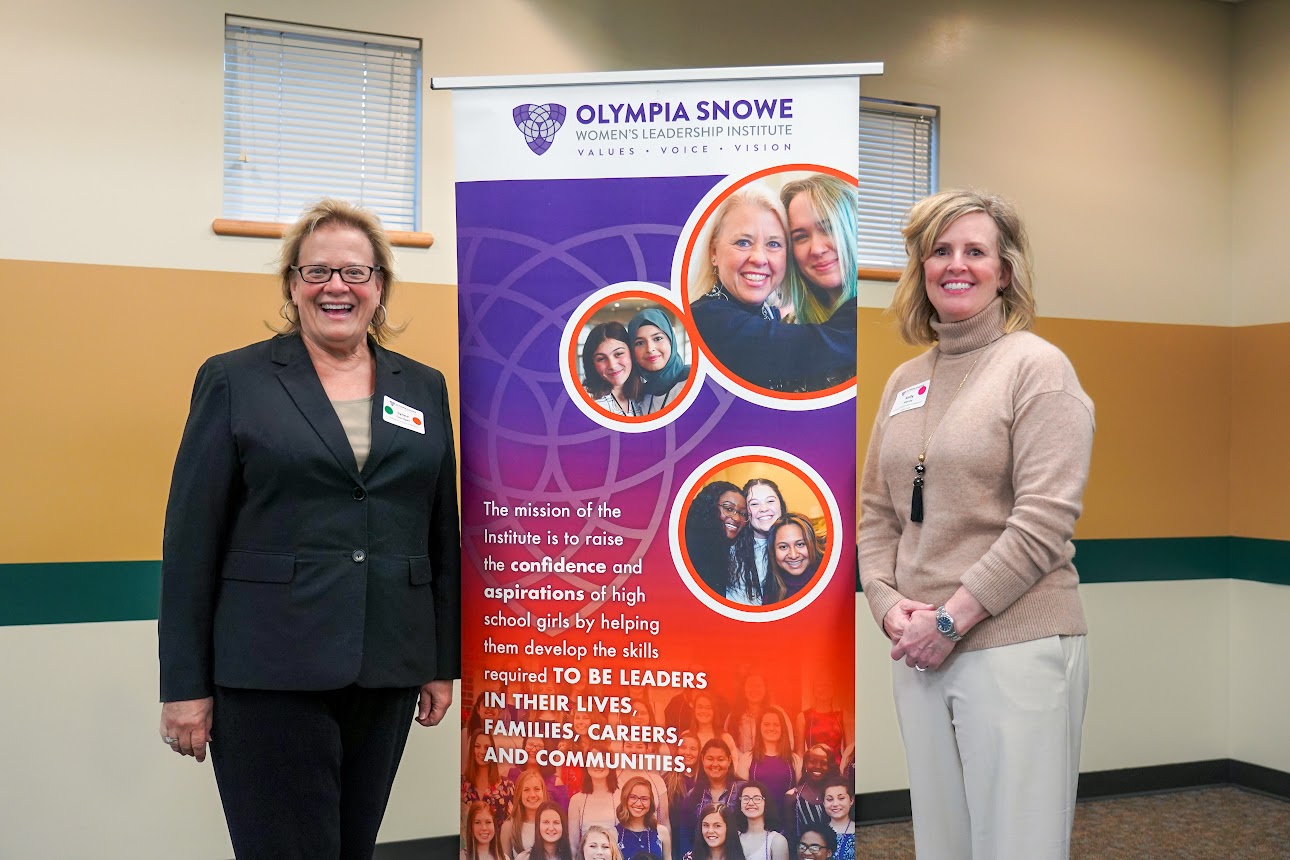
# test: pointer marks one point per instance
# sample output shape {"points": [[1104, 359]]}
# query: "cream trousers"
{"points": [[992, 740]]}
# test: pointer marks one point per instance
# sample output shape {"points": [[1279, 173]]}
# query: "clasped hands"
{"points": [[911, 625]]}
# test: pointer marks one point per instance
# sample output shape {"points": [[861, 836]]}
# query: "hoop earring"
{"points": [[286, 315], [375, 323]]}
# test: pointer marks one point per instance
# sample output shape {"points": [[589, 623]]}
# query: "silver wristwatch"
{"points": [[945, 624]]}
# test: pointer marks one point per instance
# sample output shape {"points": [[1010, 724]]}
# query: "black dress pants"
{"points": [[306, 775]]}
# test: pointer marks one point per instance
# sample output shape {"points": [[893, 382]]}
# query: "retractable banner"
{"points": [[657, 285]]}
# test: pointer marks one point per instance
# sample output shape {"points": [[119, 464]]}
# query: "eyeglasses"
{"points": [[813, 850], [728, 507], [348, 274], [753, 798]]}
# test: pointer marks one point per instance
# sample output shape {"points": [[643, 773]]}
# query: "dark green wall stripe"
{"points": [[1261, 560], [1167, 559], [72, 592], [1175, 559], [1152, 559]]}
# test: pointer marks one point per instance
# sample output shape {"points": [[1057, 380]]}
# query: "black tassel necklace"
{"points": [[916, 503]]}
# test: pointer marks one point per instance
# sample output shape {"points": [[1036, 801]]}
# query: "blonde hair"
{"points": [[519, 816], [834, 202], [611, 835], [703, 274], [927, 220], [329, 212]]}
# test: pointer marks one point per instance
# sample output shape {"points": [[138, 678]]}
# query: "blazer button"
{"points": [[359, 494], [359, 556]]}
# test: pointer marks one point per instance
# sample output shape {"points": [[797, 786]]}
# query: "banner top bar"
{"points": [[824, 70]]}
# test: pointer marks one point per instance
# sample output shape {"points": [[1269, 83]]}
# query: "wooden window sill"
{"points": [[274, 230], [880, 274]]}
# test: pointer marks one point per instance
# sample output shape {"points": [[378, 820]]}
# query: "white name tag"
{"points": [[402, 415], [911, 398]]}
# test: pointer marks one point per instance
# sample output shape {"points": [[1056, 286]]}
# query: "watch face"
{"points": [[944, 623]]}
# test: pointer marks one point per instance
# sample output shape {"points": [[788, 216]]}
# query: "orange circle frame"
{"points": [[685, 277], [681, 317], [703, 481]]}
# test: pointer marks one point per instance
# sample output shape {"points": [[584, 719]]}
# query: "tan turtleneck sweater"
{"points": [[1005, 476]]}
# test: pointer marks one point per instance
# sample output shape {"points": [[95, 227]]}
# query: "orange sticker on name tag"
{"points": [[402, 415]]}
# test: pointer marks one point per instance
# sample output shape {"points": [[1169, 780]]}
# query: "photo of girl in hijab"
{"points": [[633, 358], [662, 366]]}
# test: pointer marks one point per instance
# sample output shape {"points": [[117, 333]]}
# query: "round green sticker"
{"points": [[389, 410]]}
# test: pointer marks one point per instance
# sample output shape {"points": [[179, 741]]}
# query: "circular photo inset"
{"points": [[629, 357], [770, 278], [754, 534]]}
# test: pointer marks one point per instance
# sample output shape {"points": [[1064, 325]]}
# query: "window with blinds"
{"points": [[312, 112], [897, 167]]}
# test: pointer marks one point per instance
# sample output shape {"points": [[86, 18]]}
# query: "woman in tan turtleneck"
{"points": [[972, 484]]}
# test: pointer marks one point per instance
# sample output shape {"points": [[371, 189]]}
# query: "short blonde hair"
{"points": [[329, 212], [926, 221], [703, 275]]}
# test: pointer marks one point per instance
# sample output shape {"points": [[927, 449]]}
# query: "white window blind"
{"points": [[312, 112], [897, 168]]}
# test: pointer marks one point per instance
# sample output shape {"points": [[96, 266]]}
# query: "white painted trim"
{"points": [[823, 70]]}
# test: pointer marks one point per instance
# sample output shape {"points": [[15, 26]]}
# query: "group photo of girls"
{"points": [[772, 282], [766, 771], [633, 358], [756, 534]]}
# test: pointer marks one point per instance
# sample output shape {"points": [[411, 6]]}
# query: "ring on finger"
{"points": [[920, 668], [168, 739]]}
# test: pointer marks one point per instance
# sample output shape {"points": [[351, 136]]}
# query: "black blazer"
{"points": [[285, 568], [775, 354]]}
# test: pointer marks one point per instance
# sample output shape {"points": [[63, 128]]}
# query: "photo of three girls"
{"points": [[773, 281], [746, 544], [638, 367]]}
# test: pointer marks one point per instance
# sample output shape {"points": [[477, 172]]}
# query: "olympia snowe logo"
{"points": [[538, 124]]}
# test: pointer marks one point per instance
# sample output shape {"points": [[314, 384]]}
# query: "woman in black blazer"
{"points": [[311, 561]]}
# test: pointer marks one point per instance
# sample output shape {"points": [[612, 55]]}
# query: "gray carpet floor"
{"points": [[1225, 823]]}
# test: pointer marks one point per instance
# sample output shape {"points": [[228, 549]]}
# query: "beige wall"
{"points": [[1260, 697], [125, 170], [1119, 127], [1132, 99], [1260, 293], [1260, 162]]}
